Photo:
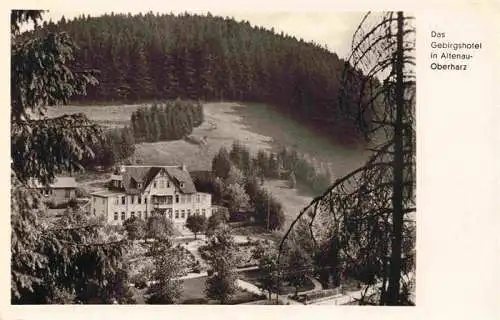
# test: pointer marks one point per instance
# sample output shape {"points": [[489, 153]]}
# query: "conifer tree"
{"points": [[53, 261]]}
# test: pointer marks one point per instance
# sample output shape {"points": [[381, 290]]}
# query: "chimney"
{"points": [[183, 167]]}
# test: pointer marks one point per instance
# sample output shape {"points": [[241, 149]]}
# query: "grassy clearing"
{"points": [[221, 127], [109, 115], [291, 200], [257, 126], [288, 132]]}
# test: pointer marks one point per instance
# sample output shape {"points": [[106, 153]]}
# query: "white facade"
{"points": [[161, 196]]}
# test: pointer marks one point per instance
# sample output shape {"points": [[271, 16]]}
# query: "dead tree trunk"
{"points": [[398, 166], [366, 210]]}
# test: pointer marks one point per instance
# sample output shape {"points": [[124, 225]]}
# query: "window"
{"points": [[145, 215], [139, 185], [203, 212], [197, 212], [145, 200], [183, 214], [154, 185], [123, 200], [115, 215], [132, 199], [198, 198], [169, 199], [123, 215], [94, 212], [117, 200], [168, 183], [183, 199], [182, 184], [67, 193], [139, 214], [169, 213], [189, 213], [176, 198], [188, 198], [177, 214], [162, 184], [132, 214], [139, 199]]}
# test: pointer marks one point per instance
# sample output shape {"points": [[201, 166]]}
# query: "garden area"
{"points": [[244, 254], [253, 277]]}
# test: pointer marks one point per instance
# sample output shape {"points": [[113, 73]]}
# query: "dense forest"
{"points": [[150, 56], [166, 121]]}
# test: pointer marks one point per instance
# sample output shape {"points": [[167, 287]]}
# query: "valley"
{"points": [[257, 126]]}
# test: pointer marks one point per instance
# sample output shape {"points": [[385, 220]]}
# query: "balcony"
{"points": [[162, 202], [157, 205]]}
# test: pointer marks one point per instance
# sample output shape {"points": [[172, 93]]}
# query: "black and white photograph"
{"points": [[213, 158]]}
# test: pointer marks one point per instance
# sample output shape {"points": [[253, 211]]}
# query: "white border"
{"points": [[457, 168]]}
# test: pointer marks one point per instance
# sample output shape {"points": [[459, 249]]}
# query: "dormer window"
{"points": [[139, 185], [182, 184]]}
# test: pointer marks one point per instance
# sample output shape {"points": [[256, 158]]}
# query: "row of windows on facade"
{"points": [[182, 214], [182, 199], [163, 184]]}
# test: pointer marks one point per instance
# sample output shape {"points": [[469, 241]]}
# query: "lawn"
{"points": [[194, 293]]}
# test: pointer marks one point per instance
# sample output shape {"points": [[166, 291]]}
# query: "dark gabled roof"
{"points": [[201, 174], [132, 175], [182, 179], [59, 183]]}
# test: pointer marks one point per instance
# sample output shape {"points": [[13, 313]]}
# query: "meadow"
{"points": [[257, 126]]}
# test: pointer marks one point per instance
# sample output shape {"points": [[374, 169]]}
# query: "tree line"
{"points": [[158, 122], [117, 145], [284, 164], [164, 57], [171, 120], [241, 190]]}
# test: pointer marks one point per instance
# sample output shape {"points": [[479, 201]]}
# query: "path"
{"points": [[317, 285], [343, 299], [193, 247], [256, 290]]}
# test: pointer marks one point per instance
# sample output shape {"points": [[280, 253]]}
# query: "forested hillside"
{"points": [[159, 57]]}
